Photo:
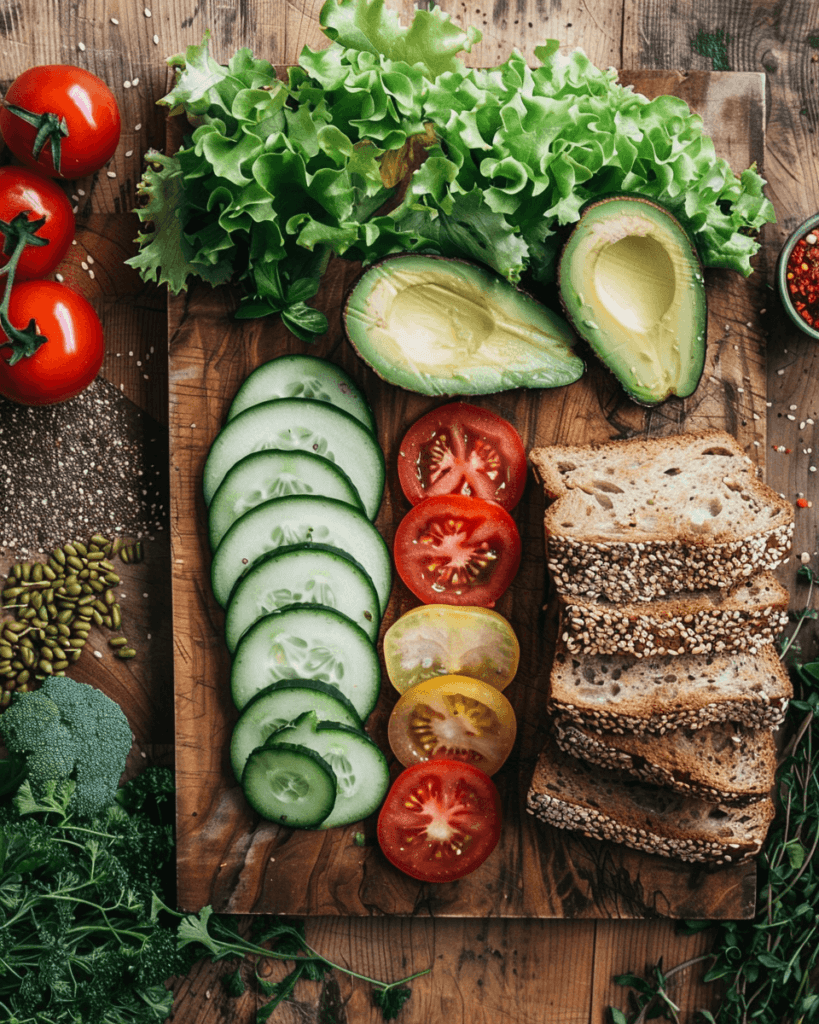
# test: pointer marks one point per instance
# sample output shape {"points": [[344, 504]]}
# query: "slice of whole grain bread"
{"points": [[748, 615], [639, 519], [618, 693], [725, 762], [604, 804]]}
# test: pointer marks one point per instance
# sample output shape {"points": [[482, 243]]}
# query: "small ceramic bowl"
{"points": [[782, 283]]}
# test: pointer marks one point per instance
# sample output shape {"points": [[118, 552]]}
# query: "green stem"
{"points": [[242, 945], [50, 128], [641, 1018], [795, 633], [23, 342]]}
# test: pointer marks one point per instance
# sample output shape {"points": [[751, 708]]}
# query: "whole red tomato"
{"points": [[68, 361], [74, 110], [23, 191]]}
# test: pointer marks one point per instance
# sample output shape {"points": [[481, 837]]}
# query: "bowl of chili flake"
{"points": [[797, 275]]}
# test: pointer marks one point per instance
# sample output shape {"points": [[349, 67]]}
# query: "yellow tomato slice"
{"points": [[453, 717], [444, 639]]}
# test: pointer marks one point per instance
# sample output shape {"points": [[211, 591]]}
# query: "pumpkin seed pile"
{"points": [[54, 605]]}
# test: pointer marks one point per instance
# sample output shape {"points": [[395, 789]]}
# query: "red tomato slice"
{"points": [[457, 550], [463, 449], [440, 821]]}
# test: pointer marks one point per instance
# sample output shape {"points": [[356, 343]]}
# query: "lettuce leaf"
{"points": [[274, 176]]}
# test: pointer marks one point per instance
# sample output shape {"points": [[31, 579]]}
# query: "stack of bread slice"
{"points": [[666, 685]]}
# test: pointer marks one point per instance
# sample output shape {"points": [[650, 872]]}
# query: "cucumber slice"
{"points": [[361, 770], [312, 643], [289, 784], [297, 376], [300, 424], [303, 574], [301, 519], [274, 474], [280, 704]]}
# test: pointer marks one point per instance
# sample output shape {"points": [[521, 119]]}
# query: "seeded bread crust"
{"points": [[624, 694], [572, 794], [640, 519], [726, 763], [703, 622]]}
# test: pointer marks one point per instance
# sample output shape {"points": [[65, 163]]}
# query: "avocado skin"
{"points": [[467, 359], [666, 275]]}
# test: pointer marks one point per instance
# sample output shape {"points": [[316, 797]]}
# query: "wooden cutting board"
{"points": [[230, 858]]}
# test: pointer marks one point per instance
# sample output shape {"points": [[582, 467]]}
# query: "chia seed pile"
{"points": [[96, 463]]}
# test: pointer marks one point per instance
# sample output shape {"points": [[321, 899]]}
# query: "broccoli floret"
{"points": [[70, 730]]}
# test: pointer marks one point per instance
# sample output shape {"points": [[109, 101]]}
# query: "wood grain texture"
{"points": [[227, 856], [764, 37]]}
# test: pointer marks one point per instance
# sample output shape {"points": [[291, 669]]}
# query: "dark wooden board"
{"points": [[227, 856]]}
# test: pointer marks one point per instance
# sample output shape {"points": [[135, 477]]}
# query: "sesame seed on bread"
{"points": [[744, 617], [619, 693], [638, 519], [725, 762], [602, 804]]}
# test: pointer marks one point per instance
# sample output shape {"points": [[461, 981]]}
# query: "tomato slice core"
{"points": [[463, 449], [440, 821]]}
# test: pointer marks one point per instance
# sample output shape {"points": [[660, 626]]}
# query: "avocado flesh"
{"points": [[439, 326], [632, 285]]}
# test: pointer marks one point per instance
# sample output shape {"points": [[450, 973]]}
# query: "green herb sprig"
{"points": [[768, 966], [87, 933], [219, 936]]}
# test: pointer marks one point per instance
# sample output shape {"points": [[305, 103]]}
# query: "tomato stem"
{"points": [[50, 128], [18, 233]]}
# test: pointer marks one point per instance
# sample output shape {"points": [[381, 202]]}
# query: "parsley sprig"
{"points": [[768, 966]]}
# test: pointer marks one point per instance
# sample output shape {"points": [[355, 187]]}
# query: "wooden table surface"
{"points": [[493, 970]]}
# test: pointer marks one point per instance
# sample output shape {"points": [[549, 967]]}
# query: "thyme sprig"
{"points": [[768, 966]]}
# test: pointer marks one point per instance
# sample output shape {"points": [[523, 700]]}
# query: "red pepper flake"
{"points": [[803, 503], [803, 279]]}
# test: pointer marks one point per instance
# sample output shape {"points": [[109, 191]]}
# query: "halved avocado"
{"points": [[442, 326], [632, 285]]}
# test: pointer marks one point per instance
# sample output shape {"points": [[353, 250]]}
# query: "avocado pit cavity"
{"points": [[632, 285]]}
